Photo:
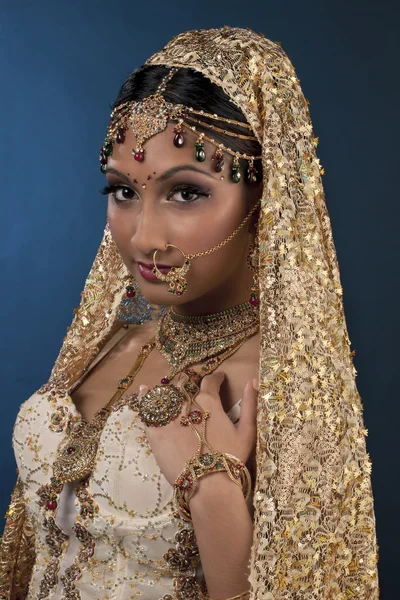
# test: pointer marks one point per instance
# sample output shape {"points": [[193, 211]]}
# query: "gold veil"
{"points": [[314, 529]]}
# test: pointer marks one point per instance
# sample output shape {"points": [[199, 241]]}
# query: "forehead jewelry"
{"points": [[150, 116]]}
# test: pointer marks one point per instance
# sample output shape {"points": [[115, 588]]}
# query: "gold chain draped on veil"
{"points": [[314, 523]]}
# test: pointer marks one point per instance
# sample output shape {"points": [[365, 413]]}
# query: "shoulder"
{"points": [[140, 334], [31, 412]]}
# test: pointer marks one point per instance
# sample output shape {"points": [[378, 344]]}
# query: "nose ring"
{"points": [[176, 275]]}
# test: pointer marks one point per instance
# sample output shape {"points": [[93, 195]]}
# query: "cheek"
{"points": [[220, 264], [119, 226], [206, 228]]}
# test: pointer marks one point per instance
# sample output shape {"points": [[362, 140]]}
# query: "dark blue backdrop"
{"points": [[61, 65]]}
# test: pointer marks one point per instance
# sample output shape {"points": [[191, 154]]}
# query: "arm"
{"points": [[219, 513], [224, 532]]}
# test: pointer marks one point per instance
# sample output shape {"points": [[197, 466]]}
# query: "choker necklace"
{"points": [[187, 340]]}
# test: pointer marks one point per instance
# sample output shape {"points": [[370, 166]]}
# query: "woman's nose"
{"points": [[149, 231]]}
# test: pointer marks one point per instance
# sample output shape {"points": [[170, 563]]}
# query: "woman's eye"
{"points": [[120, 193], [186, 194]]}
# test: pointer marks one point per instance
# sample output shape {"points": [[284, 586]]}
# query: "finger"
{"points": [[212, 383], [247, 425], [143, 389]]}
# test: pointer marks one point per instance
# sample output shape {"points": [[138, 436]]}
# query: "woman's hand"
{"points": [[173, 445]]}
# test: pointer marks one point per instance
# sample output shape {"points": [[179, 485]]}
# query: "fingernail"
{"points": [[256, 384]]}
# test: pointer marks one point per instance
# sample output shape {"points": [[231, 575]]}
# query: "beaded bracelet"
{"points": [[205, 464]]}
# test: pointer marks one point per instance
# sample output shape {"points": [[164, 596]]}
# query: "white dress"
{"points": [[114, 536]]}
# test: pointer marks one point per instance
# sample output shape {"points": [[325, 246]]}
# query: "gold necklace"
{"points": [[163, 403], [187, 340], [77, 454]]}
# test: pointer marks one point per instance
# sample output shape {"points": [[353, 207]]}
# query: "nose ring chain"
{"points": [[176, 275]]}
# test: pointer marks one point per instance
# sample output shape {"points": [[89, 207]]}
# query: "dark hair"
{"points": [[191, 88]]}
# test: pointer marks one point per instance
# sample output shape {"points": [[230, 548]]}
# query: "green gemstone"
{"points": [[236, 176], [200, 155], [206, 459], [108, 148], [103, 168]]}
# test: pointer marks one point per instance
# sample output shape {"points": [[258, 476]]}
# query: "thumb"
{"points": [[247, 424], [211, 384], [143, 389]]}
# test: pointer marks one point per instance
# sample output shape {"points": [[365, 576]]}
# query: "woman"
{"points": [[147, 465]]}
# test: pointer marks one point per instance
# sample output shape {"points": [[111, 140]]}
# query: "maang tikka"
{"points": [[150, 116]]}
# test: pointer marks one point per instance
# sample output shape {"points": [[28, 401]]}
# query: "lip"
{"points": [[146, 270]]}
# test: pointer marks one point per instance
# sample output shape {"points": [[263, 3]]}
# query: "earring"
{"points": [[134, 307], [252, 264], [176, 275], [127, 306]]}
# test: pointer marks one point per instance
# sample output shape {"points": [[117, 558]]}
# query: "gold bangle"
{"points": [[205, 464]]}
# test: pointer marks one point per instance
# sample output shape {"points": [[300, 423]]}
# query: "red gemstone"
{"points": [[51, 504], [130, 293], [139, 155], [103, 157], [254, 301], [195, 417], [219, 165], [164, 380], [120, 135], [70, 449], [184, 483], [179, 140]]}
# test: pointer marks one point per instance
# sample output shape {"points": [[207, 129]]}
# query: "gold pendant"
{"points": [[77, 455], [76, 460], [161, 405]]}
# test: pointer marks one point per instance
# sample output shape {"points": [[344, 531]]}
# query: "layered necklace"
{"points": [[187, 340], [183, 341]]}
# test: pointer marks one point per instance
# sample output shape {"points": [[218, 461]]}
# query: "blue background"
{"points": [[61, 65]]}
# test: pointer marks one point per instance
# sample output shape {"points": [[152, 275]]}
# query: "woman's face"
{"points": [[171, 198]]}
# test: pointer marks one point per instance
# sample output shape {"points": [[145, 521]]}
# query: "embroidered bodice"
{"points": [[113, 535]]}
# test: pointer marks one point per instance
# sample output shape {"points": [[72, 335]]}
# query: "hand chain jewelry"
{"points": [[204, 463]]}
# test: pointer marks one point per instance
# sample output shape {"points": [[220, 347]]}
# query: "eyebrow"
{"points": [[166, 175]]}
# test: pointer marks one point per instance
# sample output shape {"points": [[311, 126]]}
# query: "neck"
{"points": [[218, 300]]}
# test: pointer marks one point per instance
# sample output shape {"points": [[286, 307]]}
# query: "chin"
{"points": [[159, 297]]}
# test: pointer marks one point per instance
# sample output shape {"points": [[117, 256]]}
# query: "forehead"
{"points": [[160, 152]]}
